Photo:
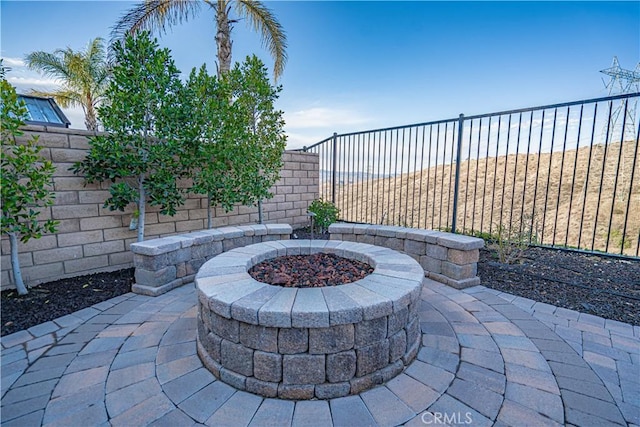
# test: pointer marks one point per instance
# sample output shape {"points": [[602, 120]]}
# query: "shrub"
{"points": [[511, 242], [326, 213]]}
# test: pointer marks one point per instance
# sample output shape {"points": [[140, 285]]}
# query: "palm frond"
{"points": [[83, 75], [273, 35], [63, 97], [50, 64], [76, 63], [95, 56], [96, 53], [101, 83], [153, 15]]}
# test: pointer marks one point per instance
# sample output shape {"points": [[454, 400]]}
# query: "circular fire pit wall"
{"points": [[304, 343]]}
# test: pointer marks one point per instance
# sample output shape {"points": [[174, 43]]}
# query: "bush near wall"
{"points": [[91, 238]]}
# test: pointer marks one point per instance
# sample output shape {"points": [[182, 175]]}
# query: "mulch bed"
{"points": [[55, 299], [603, 286], [309, 271]]}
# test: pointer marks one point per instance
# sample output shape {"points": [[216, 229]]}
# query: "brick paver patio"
{"points": [[488, 358]]}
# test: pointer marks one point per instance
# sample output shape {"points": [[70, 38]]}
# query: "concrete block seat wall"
{"points": [[166, 263], [448, 258]]}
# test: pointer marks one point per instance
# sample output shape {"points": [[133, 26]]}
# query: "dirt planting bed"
{"points": [[598, 285], [56, 299]]}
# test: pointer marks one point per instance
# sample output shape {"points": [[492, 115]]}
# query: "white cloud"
{"points": [[25, 82], [301, 139], [320, 117], [25, 79], [308, 126], [13, 62]]}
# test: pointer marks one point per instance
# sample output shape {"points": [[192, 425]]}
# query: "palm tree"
{"points": [[84, 76], [156, 15]]}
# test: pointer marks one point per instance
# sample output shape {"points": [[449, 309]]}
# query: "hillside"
{"points": [[558, 196]]}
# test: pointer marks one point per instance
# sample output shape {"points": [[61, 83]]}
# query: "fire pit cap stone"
{"points": [[235, 290], [277, 311], [310, 309], [373, 304], [225, 286], [342, 309]]}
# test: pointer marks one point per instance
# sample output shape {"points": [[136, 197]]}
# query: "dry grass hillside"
{"points": [[579, 199]]}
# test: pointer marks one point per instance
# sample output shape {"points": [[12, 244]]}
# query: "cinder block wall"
{"points": [[92, 239]]}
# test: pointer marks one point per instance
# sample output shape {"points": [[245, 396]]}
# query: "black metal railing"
{"points": [[563, 175]]}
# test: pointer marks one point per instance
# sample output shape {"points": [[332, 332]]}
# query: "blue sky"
{"points": [[363, 65]]}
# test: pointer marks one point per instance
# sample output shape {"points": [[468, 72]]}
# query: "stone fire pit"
{"points": [[304, 343]]}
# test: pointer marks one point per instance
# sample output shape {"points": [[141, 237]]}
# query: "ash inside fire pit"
{"points": [[310, 271]]}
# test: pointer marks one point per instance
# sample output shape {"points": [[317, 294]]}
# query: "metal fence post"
{"points": [[457, 176], [334, 168]]}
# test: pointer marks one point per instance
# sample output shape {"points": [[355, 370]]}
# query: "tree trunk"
{"points": [[15, 265], [209, 216], [260, 220], [90, 120], [142, 198], [223, 37]]}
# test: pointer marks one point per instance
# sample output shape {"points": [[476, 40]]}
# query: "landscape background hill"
{"points": [[553, 197]]}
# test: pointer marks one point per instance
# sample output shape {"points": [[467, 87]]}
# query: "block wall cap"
{"points": [[231, 232], [340, 228], [460, 242], [158, 246], [279, 229]]}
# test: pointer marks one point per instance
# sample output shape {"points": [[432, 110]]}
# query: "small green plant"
{"points": [[326, 213], [511, 242], [509, 245], [26, 181], [487, 237]]}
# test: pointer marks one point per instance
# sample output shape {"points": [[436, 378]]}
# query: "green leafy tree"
{"points": [[238, 135], [141, 153], [214, 145], [254, 97], [156, 15], [26, 181], [84, 77]]}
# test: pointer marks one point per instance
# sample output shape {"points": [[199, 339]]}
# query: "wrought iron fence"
{"points": [[563, 175]]}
